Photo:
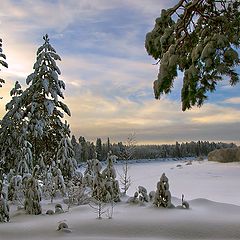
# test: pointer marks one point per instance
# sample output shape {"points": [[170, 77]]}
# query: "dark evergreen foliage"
{"points": [[199, 38]]}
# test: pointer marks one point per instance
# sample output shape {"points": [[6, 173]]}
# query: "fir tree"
{"points": [[13, 133], [42, 106], [163, 196], [111, 183]]}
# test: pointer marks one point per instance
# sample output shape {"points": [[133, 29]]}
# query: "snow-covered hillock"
{"points": [[225, 155]]}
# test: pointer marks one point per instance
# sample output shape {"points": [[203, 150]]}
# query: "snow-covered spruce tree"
{"points": [[99, 194], [200, 38], [4, 207], [163, 196], [111, 183], [33, 196], [14, 146], [2, 61], [93, 167], [65, 154], [43, 108]]}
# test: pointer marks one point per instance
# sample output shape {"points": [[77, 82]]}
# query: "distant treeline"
{"points": [[85, 150]]}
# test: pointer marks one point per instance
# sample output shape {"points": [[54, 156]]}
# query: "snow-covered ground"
{"points": [[218, 182], [214, 211]]}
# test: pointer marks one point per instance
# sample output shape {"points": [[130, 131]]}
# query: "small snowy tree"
{"points": [[98, 195], [127, 154], [163, 196], [76, 191], [33, 195], [111, 184], [59, 183]]}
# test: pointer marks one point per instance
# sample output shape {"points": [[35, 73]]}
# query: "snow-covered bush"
{"points": [[140, 196], [49, 212], [59, 208], [163, 196], [133, 199], [63, 227]]}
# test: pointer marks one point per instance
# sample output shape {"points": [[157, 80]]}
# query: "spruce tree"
{"points": [[111, 183], [163, 196], [14, 146], [42, 106]]}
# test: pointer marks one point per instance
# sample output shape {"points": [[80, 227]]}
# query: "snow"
{"points": [[212, 190], [210, 180]]}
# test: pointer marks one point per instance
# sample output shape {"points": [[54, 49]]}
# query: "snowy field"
{"points": [[212, 190]]}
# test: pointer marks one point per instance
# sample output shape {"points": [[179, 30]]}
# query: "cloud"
{"points": [[153, 121], [107, 72], [233, 100]]}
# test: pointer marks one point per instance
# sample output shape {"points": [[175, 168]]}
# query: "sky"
{"points": [[108, 73]]}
